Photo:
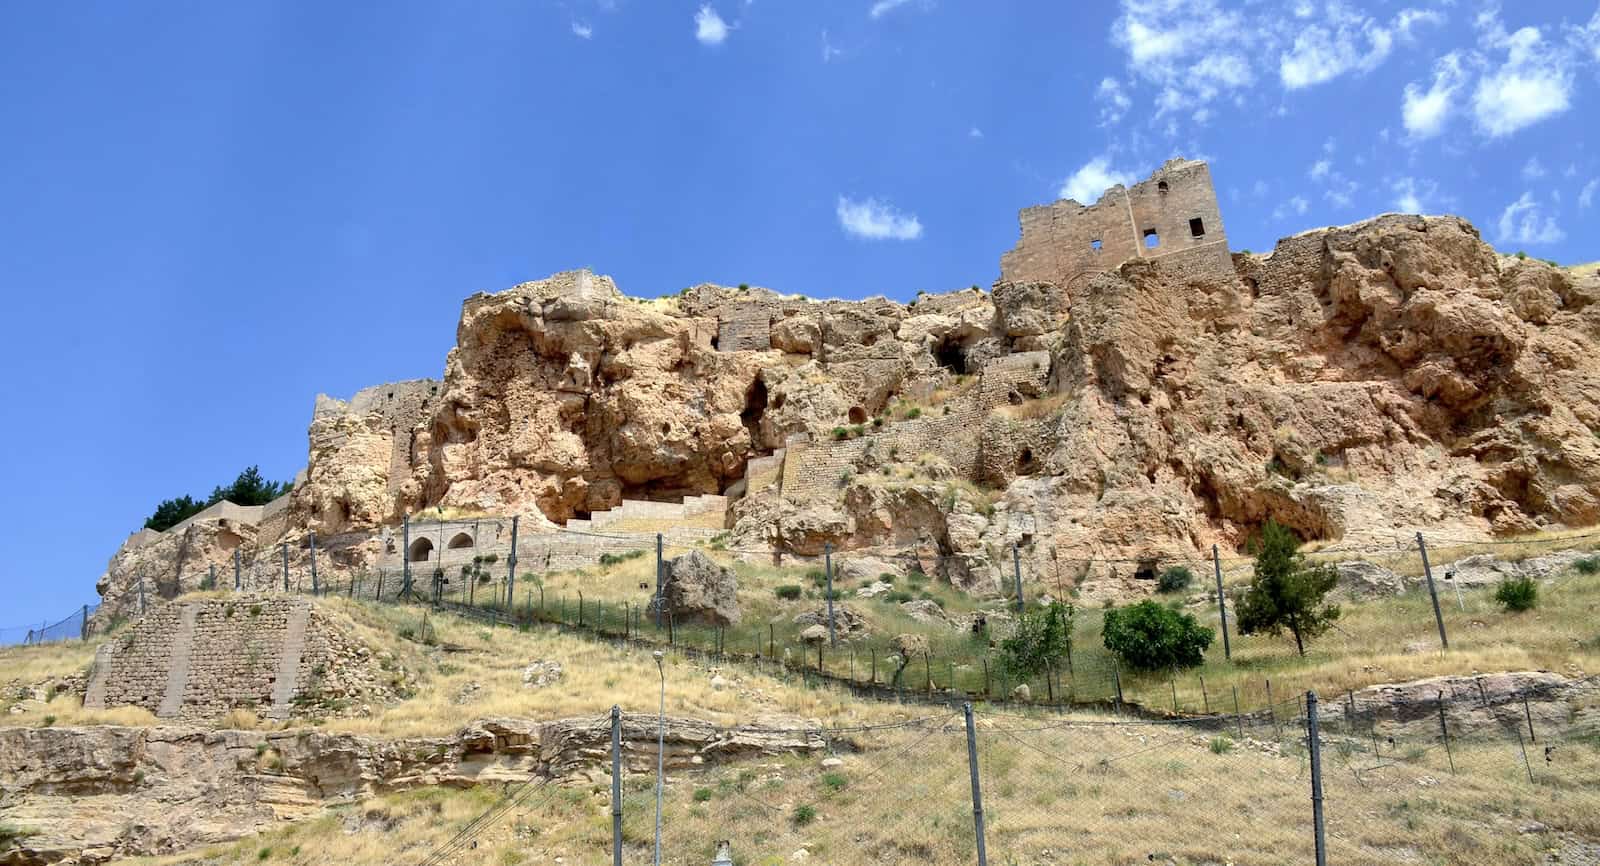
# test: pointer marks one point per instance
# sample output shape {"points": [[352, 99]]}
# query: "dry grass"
{"points": [[1076, 791], [1043, 407]]}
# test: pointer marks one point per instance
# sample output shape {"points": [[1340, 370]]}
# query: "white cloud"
{"points": [[829, 50], [1534, 83], [1523, 222], [884, 7], [1337, 188], [1320, 169], [1296, 205], [1410, 18], [1114, 102], [709, 27], [1088, 183], [582, 30], [1533, 169], [1411, 195], [877, 220], [1344, 42], [1424, 112], [974, 133], [1193, 51], [1586, 197]]}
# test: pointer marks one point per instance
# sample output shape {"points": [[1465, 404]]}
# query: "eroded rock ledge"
{"points": [[98, 793]]}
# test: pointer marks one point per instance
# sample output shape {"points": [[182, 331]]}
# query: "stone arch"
{"points": [[421, 550], [461, 539], [858, 415]]}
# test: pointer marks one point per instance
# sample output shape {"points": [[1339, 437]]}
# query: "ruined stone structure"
{"points": [[1172, 213], [277, 655]]}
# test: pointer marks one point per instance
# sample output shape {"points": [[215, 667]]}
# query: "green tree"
{"points": [[1042, 639], [172, 512], [1287, 591], [1150, 636], [249, 489]]}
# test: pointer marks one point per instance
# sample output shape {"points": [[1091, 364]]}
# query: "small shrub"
{"points": [[1149, 636], [817, 576], [701, 795], [12, 833], [834, 595], [887, 577], [1221, 745], [48, 721], [857, 429], [844, 478], [835, 781], [1175, 579], [804, 814], [1588, 565], [913, 413], [897, 596], [255, 610], [264, 854], [744, 287], [787, 592], [1517, 594], [878, 421], [841, 433]]}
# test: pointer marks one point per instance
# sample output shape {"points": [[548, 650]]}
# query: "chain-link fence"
{"points": [[73, 626]]}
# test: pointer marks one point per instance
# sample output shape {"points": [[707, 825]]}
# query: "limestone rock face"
{"points": [[699, 590], [1357, 384]]}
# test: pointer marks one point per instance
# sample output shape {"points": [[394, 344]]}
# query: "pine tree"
{"points": [[1287, 591]]}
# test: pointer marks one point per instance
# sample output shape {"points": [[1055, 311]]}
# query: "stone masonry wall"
{"points": [[1064, 241], [231, 659]]}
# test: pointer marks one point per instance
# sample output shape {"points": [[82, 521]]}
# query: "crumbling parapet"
{"points": [[1172, 213]]}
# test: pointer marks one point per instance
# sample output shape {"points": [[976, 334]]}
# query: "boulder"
{"points": [[858, 568], [699, 590], [925, 611], [1486, 570], [846, 621], [876, 589], [1361, 579], [814, 633]]}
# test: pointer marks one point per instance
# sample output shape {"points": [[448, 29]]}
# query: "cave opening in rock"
{"points": [[951, 355], [755, 407], [1025, 461], [460, 541], [858, 415], [420, 550]]}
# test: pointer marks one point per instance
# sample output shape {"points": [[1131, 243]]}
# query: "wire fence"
{"points": [[73, 626], [957, 660], [1467, 779]]}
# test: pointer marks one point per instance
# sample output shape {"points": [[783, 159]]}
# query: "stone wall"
{"points": [[199, 659], [1174, 210]]}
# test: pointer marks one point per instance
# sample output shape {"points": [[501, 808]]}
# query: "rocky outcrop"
{"points": [[1356, 384], [699, 590], [94, 794]]}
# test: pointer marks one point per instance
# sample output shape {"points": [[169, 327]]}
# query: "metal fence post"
{"points": [[1433, 592], [616, 786], [1444, 733], [827, 564], [1222, 606], [1314, 740], [316, 588], [83, 632], [511, 570], [659, 604], [405, 556], [977, 790], [1016, 574]]}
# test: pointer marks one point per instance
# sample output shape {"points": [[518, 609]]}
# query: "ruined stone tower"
{"points": [[1172, 213]]}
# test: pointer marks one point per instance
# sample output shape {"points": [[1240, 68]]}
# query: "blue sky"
{"points": [[210, 212]]}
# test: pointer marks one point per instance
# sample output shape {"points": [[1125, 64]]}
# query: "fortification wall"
{"points": [[1173, 211]]}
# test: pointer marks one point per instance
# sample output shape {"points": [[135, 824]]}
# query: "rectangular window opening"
{"points": [[1095, 245], [1151, 239], [1197, 227]]}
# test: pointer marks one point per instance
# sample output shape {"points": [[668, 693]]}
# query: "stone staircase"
{"points": [[178, 668], [294, 644], [637, 515]]}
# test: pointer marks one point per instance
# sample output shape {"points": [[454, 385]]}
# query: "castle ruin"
{"points": [[1172, 213]]}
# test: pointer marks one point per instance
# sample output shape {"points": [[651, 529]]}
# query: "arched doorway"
{"points": [[420, 551], [461, 539]]}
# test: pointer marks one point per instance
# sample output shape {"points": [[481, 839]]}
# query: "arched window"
{"points": [[1161, 186], [421, 549], [462, 539]]}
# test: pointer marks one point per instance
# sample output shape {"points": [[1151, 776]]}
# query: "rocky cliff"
{"points": [[1355, 384]]}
